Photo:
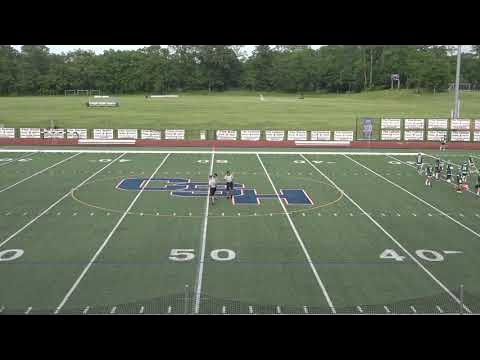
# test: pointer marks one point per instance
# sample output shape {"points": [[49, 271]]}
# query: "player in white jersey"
{"points": [[229, 180], [212, 187]]}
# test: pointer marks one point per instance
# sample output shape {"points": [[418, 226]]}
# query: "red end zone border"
{"points": [[250, 144]]}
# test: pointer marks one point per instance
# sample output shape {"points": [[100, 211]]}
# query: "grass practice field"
{"points": [[232, 110], [132, 232]]}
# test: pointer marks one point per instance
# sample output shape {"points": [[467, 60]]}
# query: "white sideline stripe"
{"points": [[16, 159], [416, 197], [198, 284], [206, 152], [414, 259], [38, 173], [292, 225], [56, 203], [92, 260]]}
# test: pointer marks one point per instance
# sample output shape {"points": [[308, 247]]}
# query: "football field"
{"points": [[126, 231]]}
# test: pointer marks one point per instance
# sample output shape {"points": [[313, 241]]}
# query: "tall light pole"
{"points": [[456, 113]]}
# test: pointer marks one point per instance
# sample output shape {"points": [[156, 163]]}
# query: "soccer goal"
{"points": [[70, 92], [95, 93]]}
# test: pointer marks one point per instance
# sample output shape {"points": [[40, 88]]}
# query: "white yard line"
{"points": [[300, 241], [18, 158], [57, 202], [38, 173], [416, 197], [219, 152], [105, 242], [413, 258], [198, 285]]}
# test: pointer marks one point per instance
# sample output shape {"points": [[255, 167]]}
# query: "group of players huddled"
{"points": [[460, 178]]}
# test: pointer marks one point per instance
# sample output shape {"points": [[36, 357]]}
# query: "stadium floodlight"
{"points": [[456, 111]]}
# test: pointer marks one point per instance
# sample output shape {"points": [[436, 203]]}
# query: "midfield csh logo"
{"points": [[187, 188]]}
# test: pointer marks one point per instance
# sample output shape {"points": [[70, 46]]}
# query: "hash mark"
{"points": [[429, 214], [279, 311], [174, 214], [157, 214], [189, 214], [335, 214], [303, 214], [108, 214], [398, 214], [91, 214], [58, 213], [351, 214], [223, 214], [382, 214], [414, 214], [461, 215], [141, 214], [74, 214]]}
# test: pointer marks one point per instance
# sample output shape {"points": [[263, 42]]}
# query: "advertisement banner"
{"points": [[460, 124], [391, 135], [414, 124], [391, 123], [436, 135], [151, 134], [226, 134], [300, 135], [274, 135], [476, 136], [127, 134], [413, 135], [320, 135], [177, 134], [437, 123], [103, 134], [343, 135], [367, 128], [30, 133], [53, 133], [76, 133], [460, 136], [477, 124], [252, 135], [7, 133]]}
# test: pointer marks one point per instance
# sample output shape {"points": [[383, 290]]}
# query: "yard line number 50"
{"points": [[189, 254]]}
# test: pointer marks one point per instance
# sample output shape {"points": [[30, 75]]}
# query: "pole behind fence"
{"points": [[186, 299]]}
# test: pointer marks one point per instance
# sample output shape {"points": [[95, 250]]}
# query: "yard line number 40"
{"points": [[189, 254], [428, 255]]}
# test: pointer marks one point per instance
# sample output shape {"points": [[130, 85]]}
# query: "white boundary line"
{"points": [[86, 151], [416, 197], [292, 225], [390, 236], [55, 203], [92, 260], [30, 153], [38, 173], [198, 290]]}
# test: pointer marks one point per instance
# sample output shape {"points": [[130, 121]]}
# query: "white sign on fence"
{"points": [[274, 135], [476, 136], [320, 135], [343, 135], [414, 123], [391, 123], [8, 133], [226, 134], [297, 135], [53, 133], [103, 134], [76, 133], [460, 136], [175, 134], [391, 135], [438, 123], [151, 134], [127, 134], [436, 135], [32, 133], [253, 135], [460, 124], [477, 124], [413, 135]]}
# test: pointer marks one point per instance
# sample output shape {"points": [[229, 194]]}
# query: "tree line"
{"points": [[34, 70]]}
